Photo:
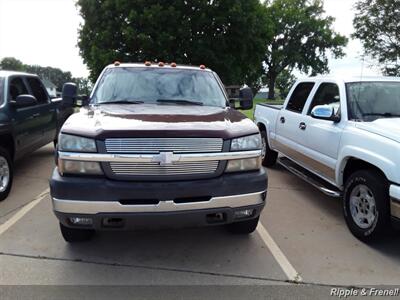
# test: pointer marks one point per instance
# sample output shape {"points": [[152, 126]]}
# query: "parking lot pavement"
{"points": [[31, 177], [310, 229], [302, 231], [32, 250]]}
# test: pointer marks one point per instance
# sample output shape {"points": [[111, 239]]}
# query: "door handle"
{"points": [[36, 115], [302, 126], [282, 120]]}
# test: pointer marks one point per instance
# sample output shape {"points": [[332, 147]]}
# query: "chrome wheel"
{"points": [[4, 174], [263, 149], [363, 206]]}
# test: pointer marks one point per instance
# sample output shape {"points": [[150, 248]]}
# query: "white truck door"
{"points": [[322, 137], [290, 137]]}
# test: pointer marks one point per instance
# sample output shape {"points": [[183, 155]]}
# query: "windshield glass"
{"points": [[159, 85], [369, 101]]}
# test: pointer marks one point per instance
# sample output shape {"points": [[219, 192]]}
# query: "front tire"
{"points": [[244, 227], [366, 205], [6, 173], [268, 155], [74, 235]]}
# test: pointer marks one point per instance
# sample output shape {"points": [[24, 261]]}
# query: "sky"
{"points": [[45, 32]]}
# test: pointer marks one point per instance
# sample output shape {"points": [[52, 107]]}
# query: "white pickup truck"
{"points": [[343, 137]]}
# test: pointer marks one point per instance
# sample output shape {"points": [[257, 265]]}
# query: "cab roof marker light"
{"points": [[147, 63], [161, 64], [116, 63], [202, 67], [173, 65]]}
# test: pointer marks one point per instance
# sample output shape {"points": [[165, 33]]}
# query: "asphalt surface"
{"points": [[302, 239]]}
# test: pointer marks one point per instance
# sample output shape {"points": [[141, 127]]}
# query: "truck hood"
{"points": [[389, 128], [152, 120]]}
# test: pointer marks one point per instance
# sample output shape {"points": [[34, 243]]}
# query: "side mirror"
{"points": [[69, 94], [324, 112], [245, 99], [24, 101]]}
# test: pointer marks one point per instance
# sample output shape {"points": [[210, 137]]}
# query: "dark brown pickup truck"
{"points": [[158, 146]]}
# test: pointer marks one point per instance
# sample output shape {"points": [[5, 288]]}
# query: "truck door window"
{"points": [[299, 97], [327, 94], [38, 90], [17, 87]]}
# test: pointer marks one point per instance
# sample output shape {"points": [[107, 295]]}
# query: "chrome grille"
{"points": [[154, 169], [157, 145]]}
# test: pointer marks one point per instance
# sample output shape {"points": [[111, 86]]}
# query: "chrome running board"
{"points": [[309, 177]]}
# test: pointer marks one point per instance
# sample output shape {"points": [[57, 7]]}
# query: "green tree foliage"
{"points": [[55, 75], [302, 38], [377, 26], [226, 35], [11, 64], [284, 82]]}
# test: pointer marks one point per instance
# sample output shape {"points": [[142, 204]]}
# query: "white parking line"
{"points": [[284, 263], [22, 212]]}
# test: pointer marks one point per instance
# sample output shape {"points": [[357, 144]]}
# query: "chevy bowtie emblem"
{"points": [[166, 158]]}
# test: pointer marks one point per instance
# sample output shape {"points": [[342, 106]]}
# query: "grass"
{"points": [[249, 113]]}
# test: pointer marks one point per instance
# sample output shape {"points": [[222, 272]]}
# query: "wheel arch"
{"points": [[7, 141], [353, 164]]}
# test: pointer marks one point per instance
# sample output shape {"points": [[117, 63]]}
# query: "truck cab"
{"points": [[159, 145], [342, 136], [29, 119]]}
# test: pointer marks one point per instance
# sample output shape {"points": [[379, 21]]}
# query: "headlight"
{"points": [[73, 143], [241, 165], [79, 167], [250, 142]]}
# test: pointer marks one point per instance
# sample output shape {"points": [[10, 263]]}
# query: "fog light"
{"points": [[81, 221], [241, 214]]}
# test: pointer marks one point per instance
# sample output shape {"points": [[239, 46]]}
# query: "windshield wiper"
{"points": [[387, 114], [121, 102], [180, 101]]}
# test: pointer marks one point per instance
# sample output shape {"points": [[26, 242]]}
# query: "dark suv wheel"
{"points": [[73, 235], [6, 173], [268, 155], [366, 205]]}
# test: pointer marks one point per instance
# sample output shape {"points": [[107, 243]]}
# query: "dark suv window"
{"points": [[299, 97], [38, 90], [327, 94], [17, 87]]}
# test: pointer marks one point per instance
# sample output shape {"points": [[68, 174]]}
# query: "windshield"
{"points": [[160, 86], [368, 101]]}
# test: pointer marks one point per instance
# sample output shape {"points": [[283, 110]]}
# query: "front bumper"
{"points": [[158, 204]]}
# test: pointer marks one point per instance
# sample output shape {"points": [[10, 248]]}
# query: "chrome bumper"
{"points": [[96, 207]]}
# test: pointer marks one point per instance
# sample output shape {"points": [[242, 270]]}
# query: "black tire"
{"points": [[244, 227], [74, 235], [270, 156], [378, 187], [5, 155]]}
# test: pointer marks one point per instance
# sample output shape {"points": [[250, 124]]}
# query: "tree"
{"points": [[226, 35], [302, 38], [284, 82], [377, 26], [11, 64]]}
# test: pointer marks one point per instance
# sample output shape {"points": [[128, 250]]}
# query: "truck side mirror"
{"points": [[24, 101], [324, 112], [246, 98], [69, 94]]}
